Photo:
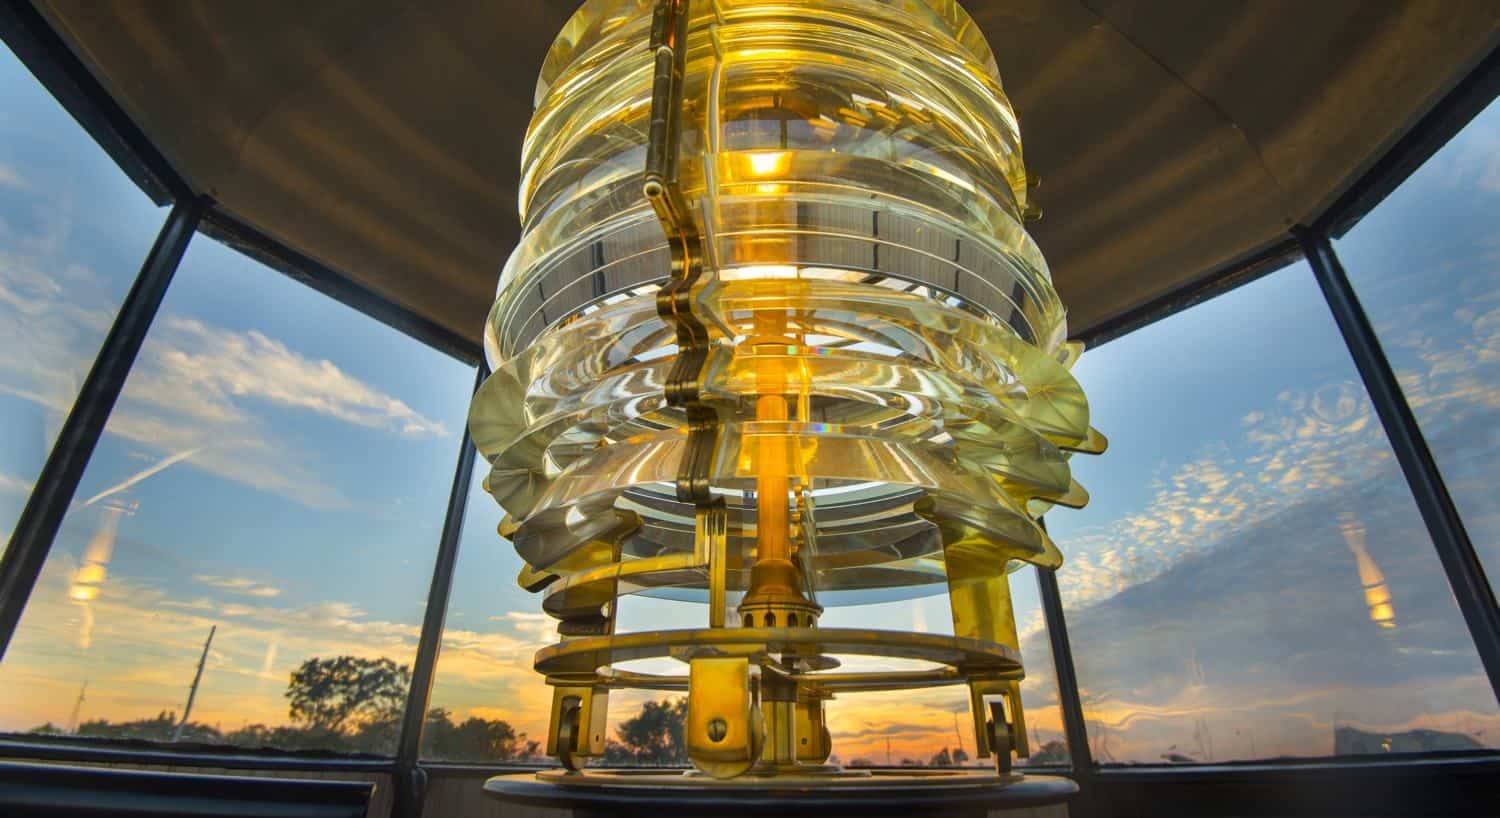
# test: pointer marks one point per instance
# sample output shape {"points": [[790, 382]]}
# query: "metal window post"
{"points": [[410, 781], [55, 486], [1069, 702], [1476, 599]]}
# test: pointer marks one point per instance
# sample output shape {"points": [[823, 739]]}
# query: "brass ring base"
{"points": [[896, 793], [827, 776], [582, 658]]}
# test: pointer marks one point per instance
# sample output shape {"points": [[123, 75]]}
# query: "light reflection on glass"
{"points": [[1425, 264], [1377, 595], [1252, 579], [275, 472], [74, 230]]}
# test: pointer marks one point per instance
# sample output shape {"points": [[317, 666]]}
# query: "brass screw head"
{"points": [[717, 729]]}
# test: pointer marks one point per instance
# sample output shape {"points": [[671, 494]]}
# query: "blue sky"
{"points": [[1225, 580], [279, 464]]}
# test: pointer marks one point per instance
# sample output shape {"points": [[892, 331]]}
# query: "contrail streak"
{"points": [[141, 475]]}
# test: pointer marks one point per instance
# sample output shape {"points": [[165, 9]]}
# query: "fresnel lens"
{"points": [[775, 339]]}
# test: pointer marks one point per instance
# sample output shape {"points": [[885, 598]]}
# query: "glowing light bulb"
{"points": [[765, 164]]}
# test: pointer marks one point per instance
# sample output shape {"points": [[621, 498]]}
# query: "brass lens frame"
{"points": [[775, 338]]}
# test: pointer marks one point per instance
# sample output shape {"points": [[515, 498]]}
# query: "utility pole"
{"points": [[77, 706], [193, 691]]}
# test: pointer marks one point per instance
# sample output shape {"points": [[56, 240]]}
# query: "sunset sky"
{"points": [[1250, 575]]}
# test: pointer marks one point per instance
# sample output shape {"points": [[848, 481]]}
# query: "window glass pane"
{"points": [[1252, 578], [489, 705], [73, 233], [1426, 266], [928, 727], [276, 472], [1044, 724]]}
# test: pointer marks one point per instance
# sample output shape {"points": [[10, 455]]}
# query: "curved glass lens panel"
{"points": [[775, 339]]}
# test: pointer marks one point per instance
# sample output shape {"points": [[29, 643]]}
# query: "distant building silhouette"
{"points": [[1349, 741]]}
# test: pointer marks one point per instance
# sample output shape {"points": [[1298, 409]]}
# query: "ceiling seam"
{"points": [[1244, 137], [352, 44]]}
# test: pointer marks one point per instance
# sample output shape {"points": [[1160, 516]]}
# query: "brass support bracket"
{"points": [[580, 712], [711, 549], [724, 732], [579, 718], [999, 722], [814, 744], [674, 301]]}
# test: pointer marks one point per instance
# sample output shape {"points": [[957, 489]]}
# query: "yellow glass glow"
{"points": [[884, 378]]}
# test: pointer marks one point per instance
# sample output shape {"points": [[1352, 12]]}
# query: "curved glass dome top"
{"points": [[885, 334], [883, 139]]}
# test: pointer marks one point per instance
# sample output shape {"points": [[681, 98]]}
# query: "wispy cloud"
{"points": [[1475, 161], [1305, 442], [10, 177], [145, 639], [195, 388], [1237, 552], [220, 365], [11, 483], [238, 585], [536, 626]]}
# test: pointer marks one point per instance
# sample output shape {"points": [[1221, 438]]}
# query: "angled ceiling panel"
{"points": [[382, 137]]}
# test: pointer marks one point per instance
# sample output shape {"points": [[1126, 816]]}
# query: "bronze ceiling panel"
{"points": [[382, 137]]}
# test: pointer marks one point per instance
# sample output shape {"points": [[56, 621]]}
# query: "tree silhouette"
{"points": [[1052, 752], [347, 693], [354, 705], [652, 737], [473, 739], [956, 757]]}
